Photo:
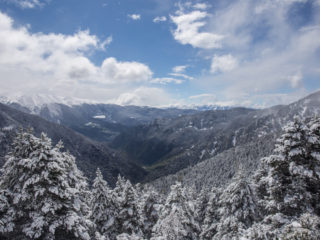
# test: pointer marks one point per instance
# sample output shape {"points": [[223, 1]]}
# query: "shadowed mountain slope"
{"points": [[89, 154]]}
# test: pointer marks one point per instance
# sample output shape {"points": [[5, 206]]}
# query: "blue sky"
{"points": [[161, 52]]}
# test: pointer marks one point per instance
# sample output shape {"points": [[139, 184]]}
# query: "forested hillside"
{"points": [[166, 146], [89, 153], [43, 195]]}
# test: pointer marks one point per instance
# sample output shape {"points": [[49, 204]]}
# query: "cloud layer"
{"points": [[257, 49], [188, 30], [28, 3], [160, 19], [239, 52], [58, 64], [134, 16], [142, 95], [223, 63]]}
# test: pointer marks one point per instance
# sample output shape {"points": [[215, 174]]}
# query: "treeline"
{"points": [[44, 196]]}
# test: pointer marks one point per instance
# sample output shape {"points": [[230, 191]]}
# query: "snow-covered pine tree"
{"points": [[6, 217], [292, 172], [307, 226], [128, 219], [149, 209], [46, 192], [114, 225], [237, 209], [287, 174], [201, 204], [176, 220], [103, 206], [125, 236], [211, 215], [288, 181], [313, 154]]}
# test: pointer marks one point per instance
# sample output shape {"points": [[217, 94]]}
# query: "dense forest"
{"points": [[44, 196]]}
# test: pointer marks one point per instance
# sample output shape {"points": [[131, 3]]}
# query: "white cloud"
{"points": [[188, 30], [205, 99], [134, 16], [252, 101], [58, 64], [203, 95], [274, 70], [177, 75], [28, 3], [125, 72], [179, 69], [185, 76], [223, 63], [166, 80], [279, 49], [201, 6], [160, 19], [270, 99], [144, 96], [106, 42], [296, 80]]}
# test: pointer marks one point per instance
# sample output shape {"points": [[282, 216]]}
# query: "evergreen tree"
{"points": [[211, 215], [268, 229], [128, 219], [307, 226], [125, 236], [176, 220], [6, 213], [237, 209], [103, 206], [149, 210], [201, 203], [313, 154], [288, 182], [287, 173], [45, 192]]}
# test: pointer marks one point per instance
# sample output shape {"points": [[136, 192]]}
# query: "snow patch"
{"points": [[202, 154], [304, 110], [8, 128], [99, 117], [91, 124], [213, 151], [234, 141]]}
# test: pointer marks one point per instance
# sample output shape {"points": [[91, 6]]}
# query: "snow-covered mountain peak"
{"points": [[199, 107], [37, 101]]}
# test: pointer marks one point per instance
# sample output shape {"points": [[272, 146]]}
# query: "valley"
{"points": [[161, 142]]}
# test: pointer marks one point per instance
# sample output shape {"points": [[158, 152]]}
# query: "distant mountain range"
{"points": [[34, 103], [153, 142], [101, 122]]}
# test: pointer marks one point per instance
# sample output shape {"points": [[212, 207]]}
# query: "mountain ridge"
{"points": [[194, 138], [89, 154], [218, 170], [164, 142]]}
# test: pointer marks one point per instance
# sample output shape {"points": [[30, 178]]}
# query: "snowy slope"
{"points": [[254, 140], [36, 101], [169, 145]]}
